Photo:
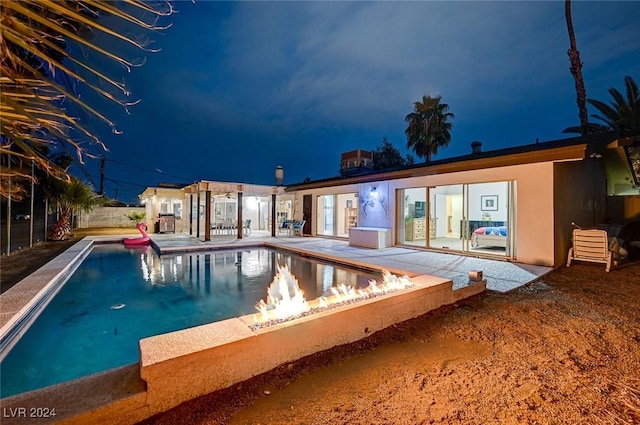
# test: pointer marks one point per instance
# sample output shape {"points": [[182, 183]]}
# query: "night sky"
{"points": [[242, 87]]}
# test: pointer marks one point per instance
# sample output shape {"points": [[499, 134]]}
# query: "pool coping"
{"points": [[21, 304]]}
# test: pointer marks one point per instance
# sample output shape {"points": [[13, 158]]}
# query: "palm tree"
{"points": [[576, 71], [136, 216], [37, 67], [428, 127], [621, 115], [70, 197]]}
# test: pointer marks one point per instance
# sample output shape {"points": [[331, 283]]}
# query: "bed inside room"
{"points": [[490, 237]]}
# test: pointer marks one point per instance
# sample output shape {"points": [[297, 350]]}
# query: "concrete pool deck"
{"points": [[502, 276]]}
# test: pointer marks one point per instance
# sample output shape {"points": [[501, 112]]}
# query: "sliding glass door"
{"points": [[446, 217], [472, 218], [489, 226], [336, 214]]}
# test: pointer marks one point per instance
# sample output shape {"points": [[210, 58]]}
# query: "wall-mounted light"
{"points": [[373, 192]]}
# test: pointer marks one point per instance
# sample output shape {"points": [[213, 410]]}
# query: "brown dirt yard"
{"points": [[562, 350]]}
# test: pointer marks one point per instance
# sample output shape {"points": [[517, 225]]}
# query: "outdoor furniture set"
{"points": [[229, 227], [292, 227]]}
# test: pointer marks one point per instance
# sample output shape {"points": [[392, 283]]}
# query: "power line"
{"points": [[125, 183], [156, 171]]}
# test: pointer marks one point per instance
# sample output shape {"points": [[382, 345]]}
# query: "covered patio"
{"points": [[224, 210]]}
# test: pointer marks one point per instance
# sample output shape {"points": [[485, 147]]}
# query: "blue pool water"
{"points": [[118, 296]]}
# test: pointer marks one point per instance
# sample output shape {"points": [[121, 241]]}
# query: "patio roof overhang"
{"points": [[223, 188], [162, 192]]}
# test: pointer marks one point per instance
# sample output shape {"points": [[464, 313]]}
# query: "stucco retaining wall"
{"points": [[182, 365]]}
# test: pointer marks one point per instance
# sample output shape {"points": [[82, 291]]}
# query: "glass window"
{"points": [[224, 210], [177, 209], [218, 210]]}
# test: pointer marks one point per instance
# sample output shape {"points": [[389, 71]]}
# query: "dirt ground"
{"points": [[562, 350]]}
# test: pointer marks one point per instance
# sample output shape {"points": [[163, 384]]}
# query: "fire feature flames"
{"points": [[285, 299]]}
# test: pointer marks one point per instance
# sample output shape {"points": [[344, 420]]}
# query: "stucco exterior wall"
{"points": [[153, 199], [534, 214], [376, 205], [534, 204]]}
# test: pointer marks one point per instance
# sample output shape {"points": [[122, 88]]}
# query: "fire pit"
{"points": [[182, 365]]}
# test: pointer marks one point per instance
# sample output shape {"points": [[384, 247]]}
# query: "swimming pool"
{"points": [[118, 296]]}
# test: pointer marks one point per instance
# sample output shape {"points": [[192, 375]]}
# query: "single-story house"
{"points": [[516, 203]]}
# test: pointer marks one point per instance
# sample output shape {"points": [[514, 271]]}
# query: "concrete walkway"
{"points": [[501, 276]]}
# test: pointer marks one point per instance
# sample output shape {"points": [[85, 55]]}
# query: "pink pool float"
{"points": [[143, 240]]}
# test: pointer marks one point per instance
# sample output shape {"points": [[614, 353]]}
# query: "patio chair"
{"points": [[590, 245], [297, 227], [247, 227], [285, 228]]}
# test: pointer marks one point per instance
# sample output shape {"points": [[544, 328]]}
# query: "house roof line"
{"points": [[576, 148]]}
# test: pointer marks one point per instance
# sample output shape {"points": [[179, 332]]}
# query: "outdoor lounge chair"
{"points": [[590, 245]]}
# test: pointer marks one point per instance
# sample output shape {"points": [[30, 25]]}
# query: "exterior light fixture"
{"points": [[279, 182], [374, 192]]}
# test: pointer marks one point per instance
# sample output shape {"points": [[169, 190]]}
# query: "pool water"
{"points": [[119, 296]]}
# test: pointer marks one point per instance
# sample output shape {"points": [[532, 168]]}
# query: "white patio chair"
{"points": [[297, 228], [590, 245]]}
